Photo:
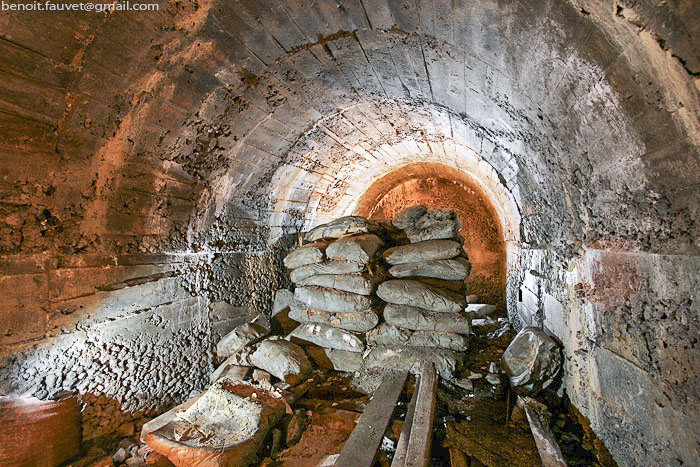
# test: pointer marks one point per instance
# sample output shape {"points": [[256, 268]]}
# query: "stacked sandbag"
{"points": [[248, 345], [426, 293], [335, 276]]}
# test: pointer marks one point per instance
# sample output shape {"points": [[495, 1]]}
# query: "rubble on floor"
{"points": [[368, 296]]}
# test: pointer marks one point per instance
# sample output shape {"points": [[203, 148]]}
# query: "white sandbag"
{"points": [[456, 269], [434, 225], [403, 357], [344, 226], [415, 293], [423, 251], [387, 334], [307, 254], [358, 248], [282, 359], [328, 337], [332, 300], [410, 317], [354, 283], [442, 340], [329, 267], [358, 321], [408, 217], [241, 336]]}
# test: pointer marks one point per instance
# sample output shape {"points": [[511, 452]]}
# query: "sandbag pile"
{"points": [[335, 274], [426, 294]]}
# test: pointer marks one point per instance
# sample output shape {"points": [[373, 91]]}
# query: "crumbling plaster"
{"points": [[165, 179]]}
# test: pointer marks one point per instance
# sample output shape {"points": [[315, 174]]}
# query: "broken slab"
{"points": [[328, 267], [531, 361], [322, 298], [417, 319], [328, 337], [308, 254], [283, 297], [456, 269], [343, 226], [357, 248], [424, 251], [358, 321], [418, 294]]}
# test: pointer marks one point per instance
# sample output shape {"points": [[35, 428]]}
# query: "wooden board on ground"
{"points": [[544, 439], [361, 448], [402, 444], [418, 452]]}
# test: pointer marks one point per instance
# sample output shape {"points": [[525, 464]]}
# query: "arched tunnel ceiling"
{"points": [[175, 140]]}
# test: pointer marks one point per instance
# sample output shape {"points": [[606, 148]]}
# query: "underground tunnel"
{"points": [[159, 167]]}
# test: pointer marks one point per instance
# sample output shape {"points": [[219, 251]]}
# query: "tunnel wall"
{"points": [[140, 189]]}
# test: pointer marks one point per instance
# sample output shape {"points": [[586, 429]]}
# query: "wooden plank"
{"points": [[402, 444], [547, 446], [418, 453], [361, 448]]}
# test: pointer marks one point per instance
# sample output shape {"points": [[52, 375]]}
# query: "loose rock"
{"points": [[531, 361], [407, 217], [241, 336], [280, 358]]}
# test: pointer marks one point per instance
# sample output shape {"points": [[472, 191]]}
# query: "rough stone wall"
{"points": [[212, 134]]}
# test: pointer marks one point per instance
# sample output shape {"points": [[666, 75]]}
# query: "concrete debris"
{"points": [[358, 248], [531, 361], [328, 337], [480, 310], [424, 251]]}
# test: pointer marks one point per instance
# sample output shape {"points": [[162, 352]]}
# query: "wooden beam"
{"points": [[361, 447], [402, 444], [547, 446], [418, 453]]}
